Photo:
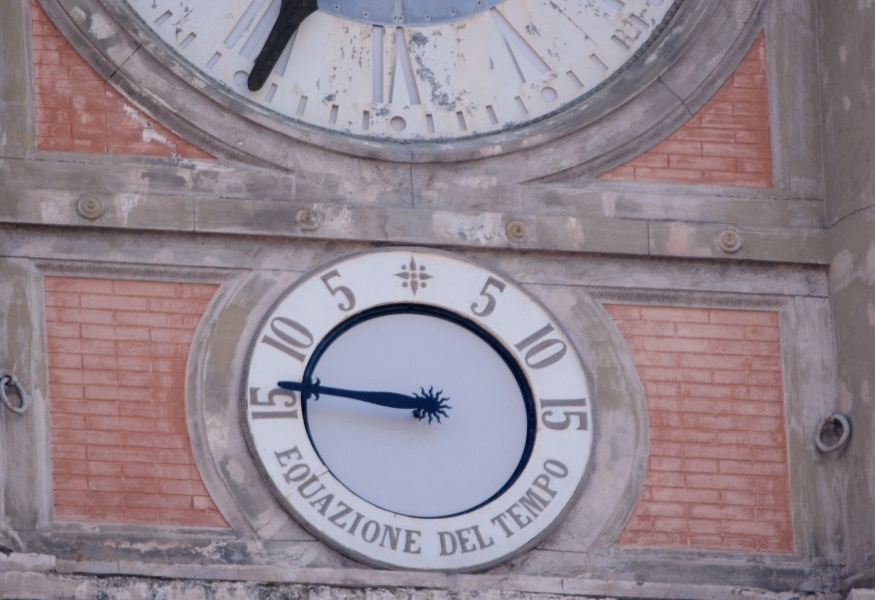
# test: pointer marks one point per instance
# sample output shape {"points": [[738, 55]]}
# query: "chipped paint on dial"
{"points": [[499, 67]]}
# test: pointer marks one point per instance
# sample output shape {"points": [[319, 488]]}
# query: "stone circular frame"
{"points": [[593, 518], [453, 72], [655, 94]]}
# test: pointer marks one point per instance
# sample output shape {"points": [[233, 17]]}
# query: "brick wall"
{"points": [[117, 352], [77, 111], [717, 474], [726, 142]]}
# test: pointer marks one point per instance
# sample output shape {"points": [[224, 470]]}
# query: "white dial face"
{"points": [[487, 426], [398, 71], [416, 410]]}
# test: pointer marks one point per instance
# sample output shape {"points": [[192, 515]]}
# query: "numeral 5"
{"points": [[339, 289], [490, 299]]}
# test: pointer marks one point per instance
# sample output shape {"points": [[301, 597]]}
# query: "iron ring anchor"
{"points": [[9, 380]]}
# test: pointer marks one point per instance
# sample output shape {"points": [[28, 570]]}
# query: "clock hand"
{"points": [[292, 14], [428, 404]]}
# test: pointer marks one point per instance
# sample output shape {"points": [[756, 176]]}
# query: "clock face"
{"points": [[400, 70], [416, 410], [488, 425]]}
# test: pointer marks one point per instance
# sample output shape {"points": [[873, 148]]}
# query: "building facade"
{"points": [[683, 237]]}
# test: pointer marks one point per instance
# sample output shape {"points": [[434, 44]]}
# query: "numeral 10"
{"points": [[290, 337], [542, 353]]}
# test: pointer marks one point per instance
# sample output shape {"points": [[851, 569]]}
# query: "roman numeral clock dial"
{"points": [[405, 70]]}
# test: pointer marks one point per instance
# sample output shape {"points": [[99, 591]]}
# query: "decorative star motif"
{"points": [[414, 276]]}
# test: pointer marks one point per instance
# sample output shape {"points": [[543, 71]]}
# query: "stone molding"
{"points": [[595, 519]]}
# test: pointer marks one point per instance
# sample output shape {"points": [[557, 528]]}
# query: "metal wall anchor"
{"points": [[8, 381], [9, 540], [833, 433]]}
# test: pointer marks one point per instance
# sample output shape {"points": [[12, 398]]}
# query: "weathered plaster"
{"points": [[25, 437], [794, 98], [16, 97], [848, 88], [21, 577], [852, 285]]}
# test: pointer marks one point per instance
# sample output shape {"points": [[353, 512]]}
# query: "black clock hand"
{"points": [[292, 14], [428, 404]]}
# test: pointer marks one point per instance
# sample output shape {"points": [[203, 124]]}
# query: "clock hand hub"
{"points": [[429, 403]]}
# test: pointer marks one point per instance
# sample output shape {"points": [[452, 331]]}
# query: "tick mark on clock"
{"points": [[163, 18], [213, 60], [187, 41], [620, 43], [599, 63], [521, 105]]}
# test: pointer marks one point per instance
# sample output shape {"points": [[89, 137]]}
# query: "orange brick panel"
{"points": [[120, 446], [717, 474], [727, 142], [77, 111]]}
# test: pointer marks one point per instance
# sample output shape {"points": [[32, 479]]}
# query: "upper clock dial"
{"points": [[407, 71]]}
